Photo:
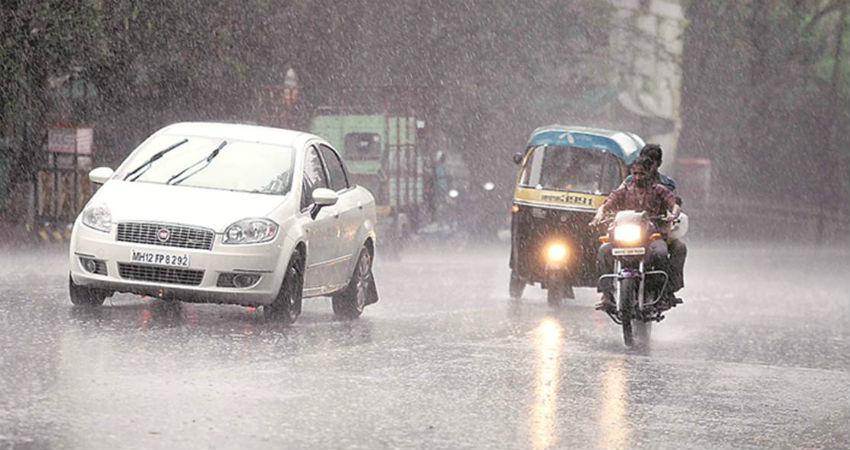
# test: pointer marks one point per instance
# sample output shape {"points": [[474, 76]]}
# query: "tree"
{"points": [[762, 81], [37, 40]]}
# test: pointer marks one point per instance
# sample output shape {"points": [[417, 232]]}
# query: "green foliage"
{"points": [[766, 89]]}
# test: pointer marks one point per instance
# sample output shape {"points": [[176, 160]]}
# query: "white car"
{"points": [[226, 213]]}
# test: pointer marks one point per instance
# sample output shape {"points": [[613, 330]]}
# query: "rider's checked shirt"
{"points": [[655, 200]]}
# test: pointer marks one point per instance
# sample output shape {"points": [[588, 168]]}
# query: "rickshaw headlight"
{"points": [[556, 252], [627, 234]]}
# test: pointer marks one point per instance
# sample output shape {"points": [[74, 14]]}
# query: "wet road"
{"points": [[757, 357]]}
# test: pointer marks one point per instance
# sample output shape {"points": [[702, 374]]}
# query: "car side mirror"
{"points": [[322, 197], [518, 158], [100, 175]]}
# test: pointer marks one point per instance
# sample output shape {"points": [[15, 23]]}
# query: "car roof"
{"points": [[621, 144], [240, 132]]}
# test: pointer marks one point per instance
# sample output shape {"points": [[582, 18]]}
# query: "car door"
{"points": [[348, 214], [321, 232]]}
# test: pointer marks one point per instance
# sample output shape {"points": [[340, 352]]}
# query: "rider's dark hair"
{"points": [[652, 151], [644, 162]]}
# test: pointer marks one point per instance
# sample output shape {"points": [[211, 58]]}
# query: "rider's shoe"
{"points": [[607, 304], [670, 301]]}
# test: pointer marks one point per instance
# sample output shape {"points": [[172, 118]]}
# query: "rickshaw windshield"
{"points": [[575, 169]]}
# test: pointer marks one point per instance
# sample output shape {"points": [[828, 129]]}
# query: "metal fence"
{"points": [[762, 221]]}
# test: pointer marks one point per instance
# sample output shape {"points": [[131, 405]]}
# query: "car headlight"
{"points": [[97, 216], [627, 234], [556, 252], [250, 231]]}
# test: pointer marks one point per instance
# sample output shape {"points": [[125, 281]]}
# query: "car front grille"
{"points": [[171, 275], [177, 235]]}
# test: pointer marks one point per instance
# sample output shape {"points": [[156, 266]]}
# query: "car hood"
{"points": [[209, 208]]}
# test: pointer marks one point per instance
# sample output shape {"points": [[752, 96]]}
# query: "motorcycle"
{"points": [[639, 289]]}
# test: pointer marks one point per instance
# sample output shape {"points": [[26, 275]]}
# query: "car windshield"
{"points": [[575, 169], [239, 166]]}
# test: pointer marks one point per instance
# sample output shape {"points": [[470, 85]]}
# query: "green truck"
{"points": [[383, 152]]}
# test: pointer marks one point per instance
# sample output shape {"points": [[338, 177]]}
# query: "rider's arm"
{"points": [[600, 213], [669, 200], [610, 202], [675, 212]]}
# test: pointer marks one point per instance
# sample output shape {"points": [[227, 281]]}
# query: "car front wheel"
{"points": [[85, 296], [287, 306], [349, 303]]}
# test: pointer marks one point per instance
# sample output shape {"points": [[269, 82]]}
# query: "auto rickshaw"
{"points": [[566, 173]]}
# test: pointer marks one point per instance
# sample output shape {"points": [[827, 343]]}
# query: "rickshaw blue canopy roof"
{"points": [[623, 145]]}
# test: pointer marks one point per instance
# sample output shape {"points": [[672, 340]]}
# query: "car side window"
{"points": [[314, 176], [339, 179]]}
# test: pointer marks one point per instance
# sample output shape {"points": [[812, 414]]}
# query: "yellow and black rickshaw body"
{"points": [[566, 173]]}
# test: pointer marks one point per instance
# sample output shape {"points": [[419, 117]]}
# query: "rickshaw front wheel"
{"points": [[517, 286], [553, 296]]}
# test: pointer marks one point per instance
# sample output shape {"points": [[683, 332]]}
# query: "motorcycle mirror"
{"points": [[517, 158], [489, 186]]}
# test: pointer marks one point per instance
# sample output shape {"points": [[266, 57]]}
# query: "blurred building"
{"points": [[646, 49]]}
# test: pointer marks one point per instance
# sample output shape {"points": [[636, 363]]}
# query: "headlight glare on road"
{"points": [[97, 216], [250, 231], [627, 234]]}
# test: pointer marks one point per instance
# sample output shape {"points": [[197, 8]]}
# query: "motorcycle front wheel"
{"points": [[627, 299]]}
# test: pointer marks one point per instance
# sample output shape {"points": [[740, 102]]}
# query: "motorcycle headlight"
{"points": [[250, 231], [97, 216], [627, 234]]}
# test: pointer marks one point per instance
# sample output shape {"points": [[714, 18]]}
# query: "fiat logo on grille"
{"points": [[163, 234]]}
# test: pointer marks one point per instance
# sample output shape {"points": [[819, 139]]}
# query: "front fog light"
{"points": [[244, 280], [91, 265], [238, 280]]}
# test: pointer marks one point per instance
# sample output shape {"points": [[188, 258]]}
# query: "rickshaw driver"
{"points": [[640, 193]]}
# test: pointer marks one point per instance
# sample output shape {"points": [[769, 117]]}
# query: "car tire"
{"points": [[349, 303], [287, 305], [85, 296]]}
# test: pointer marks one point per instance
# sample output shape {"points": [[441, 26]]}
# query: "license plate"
{"points": [[159, 258], [628, 251]]}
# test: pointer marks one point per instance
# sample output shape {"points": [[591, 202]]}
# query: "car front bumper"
{"points": [[170, 282]]}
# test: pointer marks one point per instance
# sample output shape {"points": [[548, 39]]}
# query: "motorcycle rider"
{"points": [[640, 193], [654, 153], [678, 249]]}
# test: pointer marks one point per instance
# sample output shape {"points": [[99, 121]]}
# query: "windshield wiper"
{"points": [[204, 161], [153, 158]]}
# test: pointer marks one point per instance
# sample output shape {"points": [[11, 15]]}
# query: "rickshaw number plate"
{"points": [[628, 251]]}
